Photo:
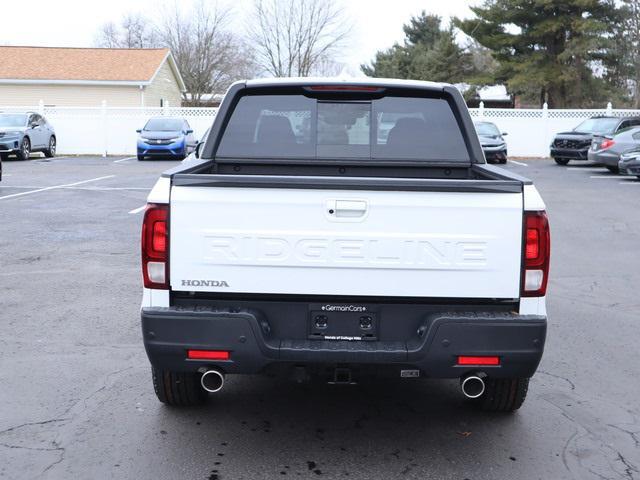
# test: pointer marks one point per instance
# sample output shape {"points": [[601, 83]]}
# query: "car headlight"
{"points": [[177, 139], [12, 133]]}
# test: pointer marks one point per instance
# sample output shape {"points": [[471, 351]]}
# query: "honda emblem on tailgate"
{"points": [[204, 283]]}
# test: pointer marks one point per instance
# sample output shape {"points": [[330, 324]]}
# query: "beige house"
{"points": [[89, 76]]}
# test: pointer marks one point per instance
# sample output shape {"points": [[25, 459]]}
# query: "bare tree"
{"points": [[208, 55], [134, 31], [296, 37]]}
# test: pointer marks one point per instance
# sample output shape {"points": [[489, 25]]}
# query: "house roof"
{"points": [[135, 66]]}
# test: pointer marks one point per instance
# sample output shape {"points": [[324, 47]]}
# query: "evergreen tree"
{"points": [[556, 50], [428, 53]]}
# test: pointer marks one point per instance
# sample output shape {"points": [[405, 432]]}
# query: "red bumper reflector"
{"points": [[464, 360], [208, 354]]}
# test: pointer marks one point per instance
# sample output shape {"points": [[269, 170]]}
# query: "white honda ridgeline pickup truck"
{"points": [[333, 229]]}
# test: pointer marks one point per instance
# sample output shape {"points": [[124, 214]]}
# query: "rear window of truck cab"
{"points": [[296, 126]]}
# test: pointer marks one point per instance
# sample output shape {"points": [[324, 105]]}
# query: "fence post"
{"points": [[104, 127], [481, 109], [545, 124], [609, 109], [41, 107]]}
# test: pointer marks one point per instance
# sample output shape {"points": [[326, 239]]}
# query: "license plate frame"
{"points": [[343, 321]]}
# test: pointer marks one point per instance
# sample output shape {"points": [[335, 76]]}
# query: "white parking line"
{"points": [[519, 163], [56, 186], [630, 182], [138, 210], [607, 176], [124, 159], [584, 169]]}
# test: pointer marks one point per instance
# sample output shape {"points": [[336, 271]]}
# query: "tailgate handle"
{"points": [[350, 208]]}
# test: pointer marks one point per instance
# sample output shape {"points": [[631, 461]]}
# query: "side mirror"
{"points": [[198, 149], [139, 130], [188, 131], [504, 134], [33, 124]]}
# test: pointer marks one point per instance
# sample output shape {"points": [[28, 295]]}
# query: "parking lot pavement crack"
{"points": [[37, 449], [629, 467], [634, 435], [62, 451], [30, 424], [573, 386]]}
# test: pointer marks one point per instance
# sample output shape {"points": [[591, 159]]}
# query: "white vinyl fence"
{"points": [[105, 130], [530, 131]]}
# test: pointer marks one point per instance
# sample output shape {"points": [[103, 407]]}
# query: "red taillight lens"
{"points": [[155, 246], [608, 143], [483, 360], [208, 354], [537, 250]]}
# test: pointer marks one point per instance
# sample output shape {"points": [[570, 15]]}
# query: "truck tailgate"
{"points": [[339, 242]]}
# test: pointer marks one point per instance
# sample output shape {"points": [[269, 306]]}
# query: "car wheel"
{"points": [[140, 157], [561, 161], [178, 388], [613, 169], [503, 394], [25, 149], [51, 150], [503, 161]]}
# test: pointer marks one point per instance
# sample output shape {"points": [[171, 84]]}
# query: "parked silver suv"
{"points": [[23, 133]]}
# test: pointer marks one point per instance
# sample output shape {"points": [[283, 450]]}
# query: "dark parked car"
{"points": [[492, 141], [629, 163], [574, 145], [23, 133], [165, 137], [607, 150]]}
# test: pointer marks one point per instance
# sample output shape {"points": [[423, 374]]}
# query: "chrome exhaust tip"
{"points": [[212, 381], [473, 385]]}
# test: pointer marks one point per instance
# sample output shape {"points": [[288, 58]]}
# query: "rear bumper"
{"points": [[607, 159], [255, 346]]}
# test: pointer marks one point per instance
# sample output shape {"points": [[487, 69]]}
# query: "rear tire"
{"points": [[613, 169], [140, 157], [503, 394], [561, 161], [25, 149], [180, 389], [50, 152]]}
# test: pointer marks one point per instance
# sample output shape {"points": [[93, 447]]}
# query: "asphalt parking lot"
{"points": [[77, 399]]}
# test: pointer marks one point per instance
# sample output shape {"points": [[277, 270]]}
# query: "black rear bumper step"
{"points": [[432, 348]]}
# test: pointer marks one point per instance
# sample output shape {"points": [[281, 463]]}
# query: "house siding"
{"points": [[69, 95], [164, 86]]}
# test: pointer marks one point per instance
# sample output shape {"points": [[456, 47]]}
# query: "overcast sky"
{"points": [[74, 23]]}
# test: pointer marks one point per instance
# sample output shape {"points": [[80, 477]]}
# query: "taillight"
{"points": [[608, 143], [537, 249], [155, 246]]}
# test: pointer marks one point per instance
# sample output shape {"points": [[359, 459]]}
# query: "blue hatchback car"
{"points": [[165, 137]]}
